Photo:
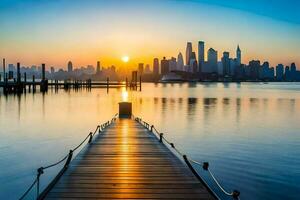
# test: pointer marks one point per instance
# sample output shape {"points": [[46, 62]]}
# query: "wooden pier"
{"points": [[126, 161], [19, 84]]}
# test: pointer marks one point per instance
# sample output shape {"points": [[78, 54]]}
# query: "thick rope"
{"points": [[104, 125], [217, 182], [28, 190], [52, 165], [234, 194]]}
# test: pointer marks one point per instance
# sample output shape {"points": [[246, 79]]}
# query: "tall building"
{"points": [[279, 72], [212, 60], [226, 64], [156, 66], [52, 70], [238, 55], [265, 71], [140, 69], [200, 55], [172, 64], [188, 53], [254, 66], [287, 74], [180, 63], [147, 69], [193, 62], [164, 64], [70, 66], [98, 67]]}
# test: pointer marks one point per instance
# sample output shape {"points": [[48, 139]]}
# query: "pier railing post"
{"points": [[161, 137], [69, 158], [40, 171], [91, 137]]}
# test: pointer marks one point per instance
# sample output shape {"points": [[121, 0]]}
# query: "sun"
{"points": [[125, 59]]}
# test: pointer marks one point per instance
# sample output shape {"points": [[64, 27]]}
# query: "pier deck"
{"points": [[126, 161]]}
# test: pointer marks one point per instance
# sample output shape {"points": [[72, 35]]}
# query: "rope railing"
{"points": [[68, 159], [205, 165]]}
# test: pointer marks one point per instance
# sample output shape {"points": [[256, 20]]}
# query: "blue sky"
{"points": [[55, 31]]}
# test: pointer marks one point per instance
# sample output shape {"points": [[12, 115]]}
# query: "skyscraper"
{"points": [[200, 55], [188, 53], [156, 66], [238, 56], [212, 60], [193, 62], [293, 71], [140, 69], [164, 66], [254, 66], [226, 64], [52, 70], [70, 66], [98, 67], [147, 69], [180, 63], [279, 72], [172, 64]]}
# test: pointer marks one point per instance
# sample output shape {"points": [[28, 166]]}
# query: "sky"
{"points": [[56, 31]]}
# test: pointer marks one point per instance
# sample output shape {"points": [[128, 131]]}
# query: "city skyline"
{"points": [[32, 37]]}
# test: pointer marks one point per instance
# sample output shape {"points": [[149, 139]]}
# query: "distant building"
{"points": [[52, 70], [70, 66], [233, 65], [164, 63], [226, 64], [90, 69], [238, 56], [293, 72], [98, 69], [200, 55], [147, 69], [279, 72], [254, 66], [172, 64], [155, 66], [193, 63], [11, 67], [140, 68], [287, 74], [265, 71], [180, 62], [212, 60], [188, 53]]}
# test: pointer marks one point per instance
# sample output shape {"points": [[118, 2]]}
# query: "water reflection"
{"points": [[245, 131]]}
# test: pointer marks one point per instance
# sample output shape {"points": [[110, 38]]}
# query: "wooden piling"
{"points": [[140, 83], [33, 84], [107, 84]]}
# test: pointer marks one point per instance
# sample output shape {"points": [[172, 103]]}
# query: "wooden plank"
{"points": [[126, 161]]}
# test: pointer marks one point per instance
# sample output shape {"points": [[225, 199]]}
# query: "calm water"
{"points": [[249, 133]]}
